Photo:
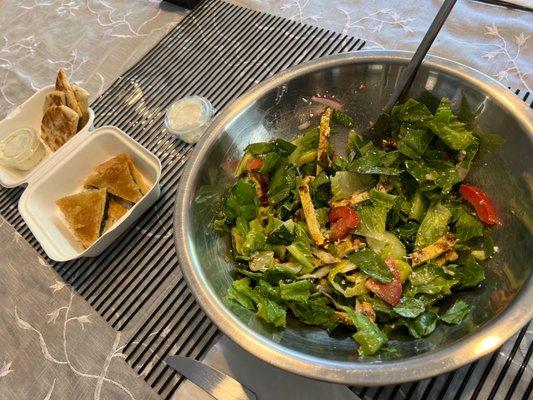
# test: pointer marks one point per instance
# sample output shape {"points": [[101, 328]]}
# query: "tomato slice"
{"points": [[389, 292], [342, 219], [484, 206], [254, 164]]}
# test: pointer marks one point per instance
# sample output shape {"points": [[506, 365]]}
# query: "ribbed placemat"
{"points": [[218, 51]]}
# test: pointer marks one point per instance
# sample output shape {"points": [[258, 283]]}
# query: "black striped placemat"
{"points": [[218, 51]]}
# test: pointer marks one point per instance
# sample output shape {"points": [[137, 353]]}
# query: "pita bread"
{"points": [[58, 125], [63, 85], [135, 173], [54, 98], [115, 176], [82, 97], [115, 211], [84, 213]]}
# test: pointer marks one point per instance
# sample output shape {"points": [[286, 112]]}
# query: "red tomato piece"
{"points": [[342, 219], [254, 164], [389, 292], [484, 206]]}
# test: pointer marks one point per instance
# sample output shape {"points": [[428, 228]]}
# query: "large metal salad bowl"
{"points": [[363, 81]]}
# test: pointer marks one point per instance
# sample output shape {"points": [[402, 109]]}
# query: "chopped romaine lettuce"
{"points": [[369, 337], [282, 184], [433, 226], [341, 118], [449, 129], [412, 111], [346, 183], [410, 307], [283, 234], [295, 291], [415, 142], [433, 174], [466, 225], [278, 146], [348, 287], [315, 312], [372, 265], [469, 273], [422, 325], [376, 161], [302, 254], [456, 313]]}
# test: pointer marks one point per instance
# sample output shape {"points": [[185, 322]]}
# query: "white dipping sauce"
{"points": [[21, 149], [188, 118]]}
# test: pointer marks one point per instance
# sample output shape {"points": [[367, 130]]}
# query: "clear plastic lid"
{"points": [[188, 118]]}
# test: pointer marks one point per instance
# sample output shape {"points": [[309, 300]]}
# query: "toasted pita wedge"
{"points": [[58, 125], [54, 98], [63, 85], [82, 97], [135, 173], [84, 213], [115, 211], [115, 176]]}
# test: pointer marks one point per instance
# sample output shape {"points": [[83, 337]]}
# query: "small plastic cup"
{"points": [[188, 118], [21, 149]]}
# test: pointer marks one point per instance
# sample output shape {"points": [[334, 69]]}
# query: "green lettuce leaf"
{"points": [[302, 254], [272, 312], [295, 291], [421, 326], [376, 161], [261, 297], [262, 260], [279, 146], [283, 234], [255, 241], [369, 337], [456, 313], [466, 225], [433, 174], [355, 286], [282, 184], [241, 202], [412, 111], [372, 265], [410, 307], [271, 162], [341, 118], [433, 226], [241, 292], [469, 273], [419, 207], [315, 312], [373, 219], [346, 183], [449, 129], [431, 279], [415, 142]]}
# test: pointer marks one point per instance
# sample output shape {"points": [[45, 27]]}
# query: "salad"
{"points": [[377, 240]]}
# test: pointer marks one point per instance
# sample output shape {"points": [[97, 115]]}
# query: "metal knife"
{"points": [[214, 382]]}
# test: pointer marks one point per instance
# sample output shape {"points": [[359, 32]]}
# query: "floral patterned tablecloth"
{"points": [[95, 41]]}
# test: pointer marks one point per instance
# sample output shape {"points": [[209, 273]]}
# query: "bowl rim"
{"points": [[428, 364]]}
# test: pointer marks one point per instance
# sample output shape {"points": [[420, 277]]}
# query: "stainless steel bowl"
{"points": [[364, 80]]}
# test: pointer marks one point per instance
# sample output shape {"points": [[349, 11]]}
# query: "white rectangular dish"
{"points": [[29, 114], [65, 175]]}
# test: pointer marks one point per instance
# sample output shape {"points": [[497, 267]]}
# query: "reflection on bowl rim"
{"points": [[435, 362]]}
